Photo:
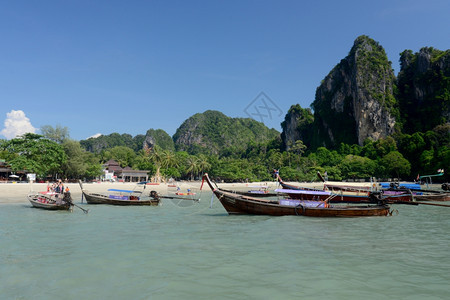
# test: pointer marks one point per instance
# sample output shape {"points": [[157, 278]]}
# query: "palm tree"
{"points": [[169, 159], [203, 164], [275, 158], [298, 148], [192, 166], [155, 156]]}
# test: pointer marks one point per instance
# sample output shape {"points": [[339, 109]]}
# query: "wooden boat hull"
{"points": [[339, 196], [43, 202], [342, 196], [239, 204], [246, 205], [433, 197], [94, 198], [405, 197]]}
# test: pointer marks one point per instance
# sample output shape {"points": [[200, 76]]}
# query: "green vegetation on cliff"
{"points": [[355, 100], [161, 138], [212, 132], [103, 142], [424, 89], [365, 123], [297, 125]]}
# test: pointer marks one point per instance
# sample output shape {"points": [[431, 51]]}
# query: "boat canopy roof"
{"points": [[122, 191], [407, 185], [304, 192]]}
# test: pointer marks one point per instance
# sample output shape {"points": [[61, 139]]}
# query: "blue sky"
{"points": [[128, 66]]}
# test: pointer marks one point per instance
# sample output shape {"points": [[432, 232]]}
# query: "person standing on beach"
{"points": [[61, 187]]}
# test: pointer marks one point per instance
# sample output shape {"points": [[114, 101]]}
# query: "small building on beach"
{"points": [[5, 170], [7, 174], [112, 171]]}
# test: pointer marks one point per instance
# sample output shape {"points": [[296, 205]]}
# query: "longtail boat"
{"points": [[419, 193], [260, 192], [427, 196], [422, 194], [240, 204], [121, 197], [51, 201], [344, 194], [347, 195]]}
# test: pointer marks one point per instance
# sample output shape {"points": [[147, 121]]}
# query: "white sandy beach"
{"points": [[16, 192]]}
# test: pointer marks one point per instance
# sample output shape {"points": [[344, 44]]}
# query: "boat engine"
{"points": [[154, 195]]}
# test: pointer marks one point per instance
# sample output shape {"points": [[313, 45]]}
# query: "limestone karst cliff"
{"points": [[354, 102], [424, 89], [297, 126]]}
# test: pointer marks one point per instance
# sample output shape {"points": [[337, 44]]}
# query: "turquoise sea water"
{"points": [[195, 252]]}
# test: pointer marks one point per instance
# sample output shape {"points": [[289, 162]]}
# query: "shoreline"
{"points": [[16, 192]]}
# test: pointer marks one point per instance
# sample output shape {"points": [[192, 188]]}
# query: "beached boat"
{"points": [[419, 194], [185, 194], [427, 196], [51, 201], [422, 195], [260, 192], [343, 193], [240, 204], [445, 186], [425, 193], [121, 197], [305, 195], [179, 191]]}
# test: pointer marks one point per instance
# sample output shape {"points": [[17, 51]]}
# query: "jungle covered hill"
{"points": [[364, 121], [361, 98], [361, 102]]}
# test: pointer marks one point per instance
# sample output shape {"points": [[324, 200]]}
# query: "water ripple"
{"points": [[202, 253]]}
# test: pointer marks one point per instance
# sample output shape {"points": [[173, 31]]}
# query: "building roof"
{"points": [[112, 162], [112, 165]]}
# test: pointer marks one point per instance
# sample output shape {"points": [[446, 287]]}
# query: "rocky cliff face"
{"points": [[158, 137], [297, 126], [355, 100], [424, 89]]}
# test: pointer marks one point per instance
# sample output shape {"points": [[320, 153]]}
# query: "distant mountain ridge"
{"points": [[103, 142], [212, 132]]}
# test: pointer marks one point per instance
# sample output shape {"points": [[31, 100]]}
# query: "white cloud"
{"points": [[16, 124], [95, 136]]}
